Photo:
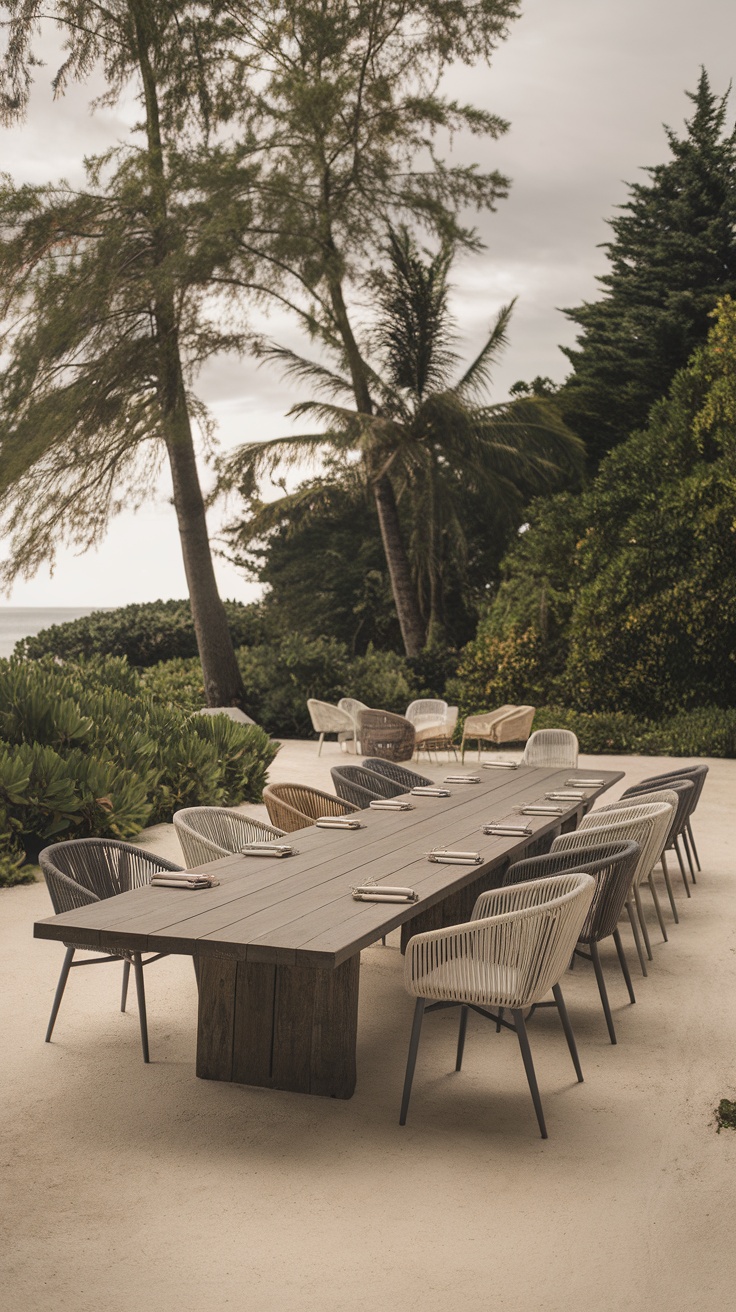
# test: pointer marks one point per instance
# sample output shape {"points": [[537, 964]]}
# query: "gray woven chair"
{"points": [[360, 786], [295, 806], [684, 791], [697, 774], [86, 870], [383, 734], [613, 866], [396, 774], [207, 833]]}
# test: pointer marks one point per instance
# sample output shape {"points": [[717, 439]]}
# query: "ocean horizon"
{"points": [[18, 622]]}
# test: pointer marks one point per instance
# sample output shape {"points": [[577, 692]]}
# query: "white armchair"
{"points": [[508, 724], [327, 718], [550, 747]]}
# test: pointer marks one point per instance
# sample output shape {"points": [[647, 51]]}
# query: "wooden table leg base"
{"points": [[278, 1027]]}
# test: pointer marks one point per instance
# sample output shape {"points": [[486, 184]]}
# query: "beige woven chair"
{"points": [[669, 795], [295, 806], [327, 718], [207, 833], [386, 735], [647, 825], [509, 724], [437, 736], [508, 959], [352, 707], [551, 747]]}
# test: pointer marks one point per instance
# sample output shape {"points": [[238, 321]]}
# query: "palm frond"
{"points": [[477, 376], [312, 372]]}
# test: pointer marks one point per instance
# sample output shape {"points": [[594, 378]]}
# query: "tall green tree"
{"points": [[102, 296], [672, 255], [432, 432]]}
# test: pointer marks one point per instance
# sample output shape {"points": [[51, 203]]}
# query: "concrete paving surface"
{"points": [[127, 1186]]}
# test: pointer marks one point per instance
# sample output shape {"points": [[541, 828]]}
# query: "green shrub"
{"points": [[707, 731], [145, 634]]}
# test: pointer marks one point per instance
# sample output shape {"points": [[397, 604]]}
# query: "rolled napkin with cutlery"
{"points": [[268, 849], [501, 828], [338, 822], [462, 779], [500, 765], [537, 809], [183, 879], [584, 783], [383, 893], [562, 795], [444, 857], [390, 804], [425, 790]]}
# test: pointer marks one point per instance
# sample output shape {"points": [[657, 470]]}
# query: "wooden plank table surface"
{"points": [[277, 944]]}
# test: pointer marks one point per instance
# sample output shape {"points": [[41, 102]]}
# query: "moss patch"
{"points": [[725, 1115]]}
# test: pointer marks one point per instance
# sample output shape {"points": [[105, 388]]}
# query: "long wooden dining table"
{"points": [[276, 945]]}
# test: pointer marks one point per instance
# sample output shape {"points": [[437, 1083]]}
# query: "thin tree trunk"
{"points": [[223, 683], [402, 584]]}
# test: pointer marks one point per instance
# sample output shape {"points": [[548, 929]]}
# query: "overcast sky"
{"points": [[586, 86]]}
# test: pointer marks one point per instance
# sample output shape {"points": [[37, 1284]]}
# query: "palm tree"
{"points": [[429, 442]]}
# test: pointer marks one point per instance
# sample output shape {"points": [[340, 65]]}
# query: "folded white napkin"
{"points": [[172, 879], [510, 830], [390, 804], [443, 856], [268, 849], [585, 783], [462, 779], [423, 790], [338, 822], [500, 765], [383, 893]]}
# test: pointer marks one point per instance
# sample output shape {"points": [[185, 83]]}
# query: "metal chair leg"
{"points": [[689, 831], [683, 871], [411, 1060], [670, 890], [657, 907], [140, 990], [637, 940], [63, 977], [526, 1056], [567, 1027], [596, 958], [689, 855], [642, 922], [500, 1019], [461, 1037], [624, 964], [126, 977], [321, 740]]}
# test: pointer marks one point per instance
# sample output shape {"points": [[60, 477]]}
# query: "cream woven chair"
{"points": [[646, 825], [551, 747], [673, 798], [327, 718], [207, 833], [508, 724], [352, 707], [508, 959], [438, 737], [295, 806]]}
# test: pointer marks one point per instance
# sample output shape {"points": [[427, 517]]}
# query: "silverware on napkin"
{"points": [[443, 856], [338, 822]]}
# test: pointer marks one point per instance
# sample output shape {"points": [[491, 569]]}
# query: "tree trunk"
{"points": [[402, 585], [223, 683]]}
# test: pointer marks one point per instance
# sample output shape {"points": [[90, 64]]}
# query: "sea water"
{"points": [[18, 622]]}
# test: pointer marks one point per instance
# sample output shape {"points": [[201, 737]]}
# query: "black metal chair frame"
{"points": [[356, 784], [697, 775], [67, 893]]}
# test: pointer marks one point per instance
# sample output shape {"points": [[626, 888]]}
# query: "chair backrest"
{"points": [[352, 707], [483, 722], [695, 773], [327, 718], [295, 806], [515, 726], [680, 792], [528, 935], [551, 747], [397, 774], [647, 825], [360, 786], [210, 832], [612, 865], [84, 870], [426, 709], [383, 734]]}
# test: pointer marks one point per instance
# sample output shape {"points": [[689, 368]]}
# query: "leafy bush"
{"points": [[145, 634], [707, 731]]}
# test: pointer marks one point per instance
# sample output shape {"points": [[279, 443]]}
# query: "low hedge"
{"points": [[705, 731]]}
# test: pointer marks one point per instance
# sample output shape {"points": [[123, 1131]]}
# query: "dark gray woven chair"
{"points": [[86, 870], [612, 865], [207, 833], [696, 773], [392, 737], [396, 774], [356, 784], [685, 792]]}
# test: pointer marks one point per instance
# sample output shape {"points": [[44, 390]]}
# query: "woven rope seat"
{"points": [[86, 870], [696, 775], [356, 784], [397, 774], [327, 718], [207, 832], [295, 806], [383, 734], [551, 747], [507, 724]]}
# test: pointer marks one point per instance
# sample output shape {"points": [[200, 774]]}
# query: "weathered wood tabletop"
{"points": [[277, 944]]}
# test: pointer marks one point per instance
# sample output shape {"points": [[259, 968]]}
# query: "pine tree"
{"points": [[672, 256]]}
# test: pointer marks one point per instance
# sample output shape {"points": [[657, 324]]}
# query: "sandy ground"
{"points": [[128, 1186]]}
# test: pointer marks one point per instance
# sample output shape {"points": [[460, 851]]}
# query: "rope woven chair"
{"points": [[613, 866], [672, 799], [210, 832], [426, 708], [86, 870], [327, 718], [550, 747], [507, 960], [352, 707], [684, 791], [438, 737], [508, 724], [646, 825], [295, 806], [396, 774], [360, 786], [697, 775], [383, 734]]}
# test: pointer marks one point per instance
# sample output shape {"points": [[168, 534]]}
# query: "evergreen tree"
{"points": [[673, 254]]}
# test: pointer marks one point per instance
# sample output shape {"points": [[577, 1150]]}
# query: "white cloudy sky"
{"points": [[586, 85]]}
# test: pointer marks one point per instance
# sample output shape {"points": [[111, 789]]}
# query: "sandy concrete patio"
{"points": [[127, 1185]]}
